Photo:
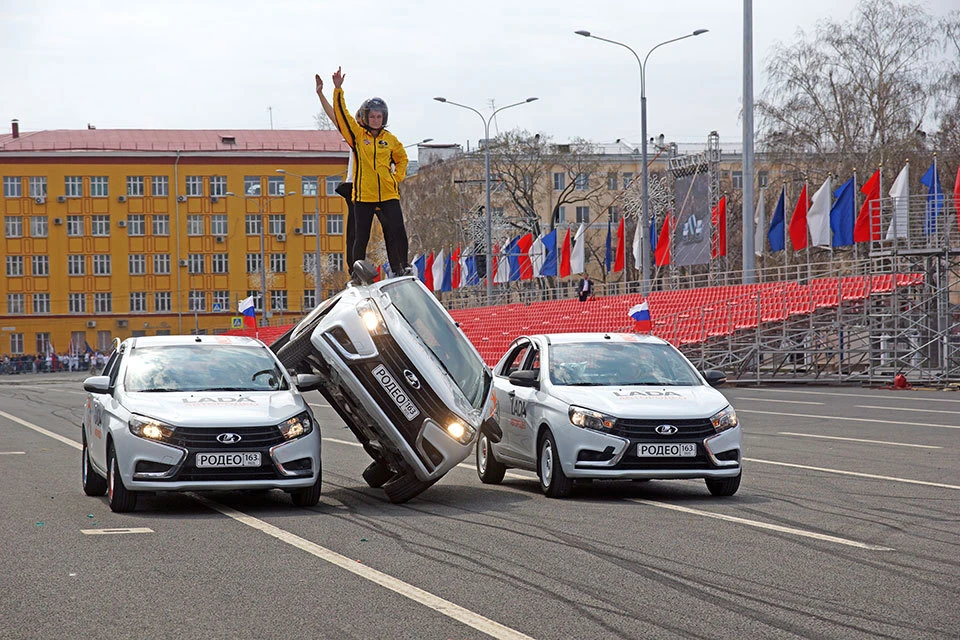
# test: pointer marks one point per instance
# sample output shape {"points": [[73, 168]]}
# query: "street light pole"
{"points": [[644, 172], [486, 182], [317, 281]]}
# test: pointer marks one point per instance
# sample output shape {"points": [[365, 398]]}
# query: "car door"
{"points": [[526, 407], [95, 424], [511, 425]]}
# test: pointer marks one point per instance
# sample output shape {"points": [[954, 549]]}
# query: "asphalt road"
{"points": [[847, 525]]}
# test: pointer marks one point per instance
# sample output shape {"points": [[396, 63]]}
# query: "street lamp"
{"points": [[263, 244], [317, 282], [486, 181], [645, 215]]}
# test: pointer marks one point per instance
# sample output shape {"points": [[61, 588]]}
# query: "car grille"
{"points": [[193, 474], [700, 461], [687, 430], [206, 438]]}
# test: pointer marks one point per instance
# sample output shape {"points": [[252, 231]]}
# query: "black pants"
{"points": [[394, 232], [345, 189]]}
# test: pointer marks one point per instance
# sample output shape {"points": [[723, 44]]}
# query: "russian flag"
{"points": [[248, 310], [641, 315]]}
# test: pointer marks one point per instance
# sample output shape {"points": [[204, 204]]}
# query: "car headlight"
{"points": [[587, 419], [150, 429], [296, 426], [724, 419], [372, 318], [460, 431]]}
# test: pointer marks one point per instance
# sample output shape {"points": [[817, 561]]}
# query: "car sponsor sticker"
{"points": [[635, 394], [219, 460], [396, 392], [678, 450]]}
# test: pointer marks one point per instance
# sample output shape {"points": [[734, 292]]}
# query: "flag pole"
{"points": [[786, 252], [806, 223], [856, 190]]}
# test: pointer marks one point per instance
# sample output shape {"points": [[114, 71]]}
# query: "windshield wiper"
{"points": [[224, 389], [585, 384], [159, 390]]}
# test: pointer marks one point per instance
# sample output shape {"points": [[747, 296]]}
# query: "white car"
{"points": [[609, 406], [187, 413]]}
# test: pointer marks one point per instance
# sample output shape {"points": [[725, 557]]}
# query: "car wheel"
{"points": [[377, 474], [488, 468], [553, 480], [93, 484], [405, 486], [724, 486], [120, 498], [309, 496]]}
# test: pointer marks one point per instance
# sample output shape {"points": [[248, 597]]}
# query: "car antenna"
{"points": [[197, 339]]}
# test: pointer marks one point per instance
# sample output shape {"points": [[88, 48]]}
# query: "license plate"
{"points": [[221, 460], [679, 450], [396, 392]]}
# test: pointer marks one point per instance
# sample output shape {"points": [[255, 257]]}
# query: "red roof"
{"points": [[216, 140]]}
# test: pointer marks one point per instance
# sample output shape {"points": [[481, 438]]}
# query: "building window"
{"points": [[100, 225], [257, 300], [43, 342], [253, 263], [138, 302], [627, 179], [221, 298], [73, 186], [277, 224], [103, 303], [161, 301], [14, 266], [308, 185], [38, 227], [737, 180], [194, 186], [278, 263], [561, 215], [74, 225], [559, 181], [309, 262], [194, 225], [335, 224], [309, 225], [12, 187], [161, 225], [76, 265], [104, 341], [218, 186], [160, 186], [612, 180], [253, 223], [309, 299], [220, 262], [218, 225], [16, 344], [615, 213], [77, 302], [197, 301], [13, 226], [138, 264], [195, 263], [134, 186], [15, 304], [583, 214], [101, 265], [763, 178], [161, 264], [136, 225], [251, 185], [275, 186], [41, 303], [278, 300], [335, 262], [582, 182], [332, 183], [38, 186], [99, 187], [41, 265]]}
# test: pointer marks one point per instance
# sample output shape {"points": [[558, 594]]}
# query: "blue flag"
{"points": [[447, 283], [550, 262], [775, 233], [608, 258], [842, 215], [421, 264], [653, 234], [472, 276], [513, 258], [931, 180]]}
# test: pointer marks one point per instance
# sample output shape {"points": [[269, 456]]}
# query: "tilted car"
{"points": [[187, 413], [609, 406], [402, 375]]}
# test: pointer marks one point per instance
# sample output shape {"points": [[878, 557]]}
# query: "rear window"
{"points": [[202, 367]]}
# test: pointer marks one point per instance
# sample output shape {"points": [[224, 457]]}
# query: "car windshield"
{"points": [[442, 338], [202, 367], [619, 364]]}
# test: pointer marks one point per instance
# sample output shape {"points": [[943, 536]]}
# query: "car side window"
{"points": [[533, 361], [516, 359], [111, 366]]}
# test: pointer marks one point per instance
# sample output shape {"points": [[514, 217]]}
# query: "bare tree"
{"points": [[517, 166], [948, 137], [323, 122], [583, 184], [438, 209]]}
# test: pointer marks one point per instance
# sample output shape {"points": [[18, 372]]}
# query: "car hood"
{"points": [[646, 401], [217, 408]]}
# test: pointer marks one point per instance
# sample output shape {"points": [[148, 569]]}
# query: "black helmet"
{"points": [[372, 104]]}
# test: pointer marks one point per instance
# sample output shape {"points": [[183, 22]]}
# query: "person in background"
{"points": [[585, 289]]}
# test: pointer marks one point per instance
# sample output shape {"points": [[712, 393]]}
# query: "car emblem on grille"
{"points": [[665, 429], [411, 379], [228, 438]]}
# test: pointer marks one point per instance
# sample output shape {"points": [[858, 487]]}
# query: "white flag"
{"points": [[758, 224], [538, 254], [577, 253], [637, 239], [502, 272], [464, 271], [438, 264], [818, 217], [900, 192]]}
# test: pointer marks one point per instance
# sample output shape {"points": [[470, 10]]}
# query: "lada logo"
{"points": [[665, 429], [411, 379], [228, 438]]}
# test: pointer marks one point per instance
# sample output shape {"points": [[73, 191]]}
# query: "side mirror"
{"points": [[525, 379], [714, 378], [309, 381], [97, 384]]}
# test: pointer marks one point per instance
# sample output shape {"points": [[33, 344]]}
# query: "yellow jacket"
{"points": [[373, 181]]}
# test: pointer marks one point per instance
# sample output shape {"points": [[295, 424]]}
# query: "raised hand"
{"points": [[338, 78]]}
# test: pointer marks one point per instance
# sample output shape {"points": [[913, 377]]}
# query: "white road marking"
{"points": [[783, 401], [856, 473], [857, 395], [895, 444], [12, 453], [30, 425], [871, 406], [110, 532], [425, 598], [821, 417]]}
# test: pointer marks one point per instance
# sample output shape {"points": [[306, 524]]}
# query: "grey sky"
{"points": [[205, 64]]}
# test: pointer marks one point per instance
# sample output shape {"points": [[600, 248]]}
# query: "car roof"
{"points": [[578, 338], [163, 341]]}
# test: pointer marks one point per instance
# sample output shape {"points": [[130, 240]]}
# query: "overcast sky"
{"points": [[200, 64]]}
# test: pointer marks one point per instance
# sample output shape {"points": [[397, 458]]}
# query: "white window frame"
{"points": [[276, 186], [220, 263], [100, 225], [161, 264], [194, 225], [277, 223], [41, 303], [135, 186], [16, 304], [218, 186], [75, 226], [76, 265], [99, 186], [40, 266], [77, 302], [103, 302], [138, 302], [136, 225], [13, 226], [160, 186], [195, 263], [309, 185], [15, 266], [254, 264], [252, 223], [559, 181], [278, 263], [101, 264], [160, 224], [73, 186], [334, 224], [219, 225], [137, 263], [162, 301], [39, 227], [38, 186], [332, 183], [194, 187], [197, 301], [12, 187]]}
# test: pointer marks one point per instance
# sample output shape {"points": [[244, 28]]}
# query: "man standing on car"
{"points": [[380, 165]]}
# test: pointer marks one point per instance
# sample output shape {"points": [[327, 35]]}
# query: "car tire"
{"points": [[93, 484], [120, 498], [489, 469], [553, 481], [405, 486], [295, 352], [724, 486], [377, 474], [309, 496]]}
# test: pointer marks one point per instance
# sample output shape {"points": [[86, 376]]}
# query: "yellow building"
{"points": [[118, 233]]}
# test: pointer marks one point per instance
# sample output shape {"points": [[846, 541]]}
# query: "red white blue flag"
{"points": [[641, 315]]}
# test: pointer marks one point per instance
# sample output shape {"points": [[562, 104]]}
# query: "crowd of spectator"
{"points": [[52, 362]]}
